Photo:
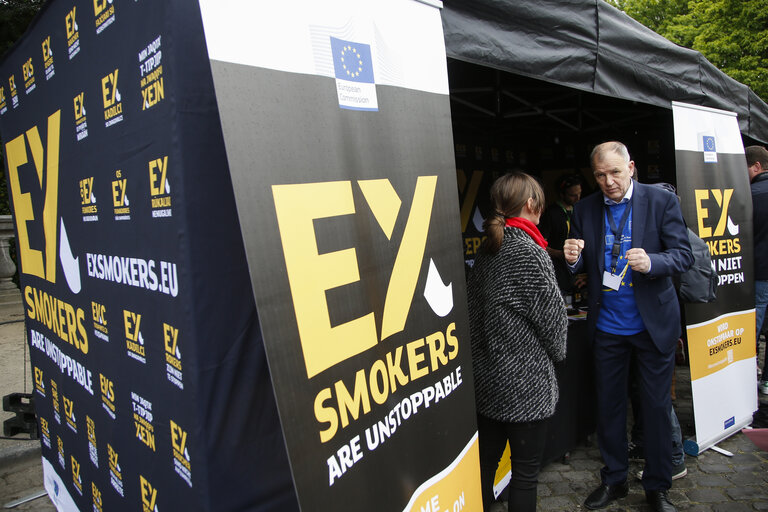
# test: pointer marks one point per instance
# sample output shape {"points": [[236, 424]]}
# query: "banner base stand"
{"points": [[691, 448], [25, 499], [722, 451]]}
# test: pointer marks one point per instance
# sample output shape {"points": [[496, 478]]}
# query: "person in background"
{"points": [[556, 224], [518, 328], [757, 165], [631, 240]]}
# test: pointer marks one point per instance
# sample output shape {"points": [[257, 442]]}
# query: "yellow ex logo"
{"points": [[171, 337], [178, 437], [75, 469], [96, 493], [112, 455], [148, 494], [99, 313], [99, 6], [86, 190], [132, 325], [46, 160], [46, 47], [107, 387], [118, 192], [91, 426], [157, 175], [723, 200], [68, 407], [311, 274], [39, 377], [109, 88], [28, 69], [79, 105], [69, 20]]}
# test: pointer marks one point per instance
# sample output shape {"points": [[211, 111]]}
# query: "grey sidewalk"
{"points": [[715, 483], [21, 470]]}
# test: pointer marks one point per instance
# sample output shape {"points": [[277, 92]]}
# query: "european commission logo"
{"points": [[710, 148], [353, 68]]}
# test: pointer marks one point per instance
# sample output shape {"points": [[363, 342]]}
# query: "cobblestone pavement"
{"points": [[715, 482]]}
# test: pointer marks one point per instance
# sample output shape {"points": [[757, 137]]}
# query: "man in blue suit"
{"points": [[630, 239]]}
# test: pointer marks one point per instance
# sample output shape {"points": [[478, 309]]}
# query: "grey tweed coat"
{"points": [[518, 327]]}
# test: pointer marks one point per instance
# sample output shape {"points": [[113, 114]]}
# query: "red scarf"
{"points": [[529, 227]]}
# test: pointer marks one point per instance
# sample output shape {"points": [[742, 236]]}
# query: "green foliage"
{"points": [[731, 34], [15, 16]]}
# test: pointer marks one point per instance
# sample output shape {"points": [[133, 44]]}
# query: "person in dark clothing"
{"points": [[757, 165], [518, 326], [556, 224], [631, 239]]}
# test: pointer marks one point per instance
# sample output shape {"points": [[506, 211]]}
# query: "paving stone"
{"points": [[747, 478], [678, 496], [761, 505], [706, 495], [550, 476], [558, 503], [560, 488], [578, 476], [732, 507], [715, 468], [711, 480], [745, 459], [579, 454], [693, 507], [558, 466], [747, 492], [582, 488], [586, 464], [687, 482]]}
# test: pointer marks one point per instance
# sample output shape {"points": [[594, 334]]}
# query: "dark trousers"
{"points": [[654, 377], [526, 443]]}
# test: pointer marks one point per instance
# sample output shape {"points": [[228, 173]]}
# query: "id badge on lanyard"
{"points": [[613, 281], [610, 279]]}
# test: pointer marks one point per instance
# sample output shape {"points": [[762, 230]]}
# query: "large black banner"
{"points": [[151, 384], [336, 119]]}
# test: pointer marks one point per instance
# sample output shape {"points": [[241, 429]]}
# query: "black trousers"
{"points": [[526, 443], [654, 377]]}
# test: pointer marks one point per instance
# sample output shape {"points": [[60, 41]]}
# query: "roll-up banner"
{"points": [[717, 205], [336, 121]]}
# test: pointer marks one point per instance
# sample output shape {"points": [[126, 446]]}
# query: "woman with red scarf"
{"points": [[518, 327]]}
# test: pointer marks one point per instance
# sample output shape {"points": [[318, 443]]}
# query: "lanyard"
{"points": [[617, 231], [567, 219]]}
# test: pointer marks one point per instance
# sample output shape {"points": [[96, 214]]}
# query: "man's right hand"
{"points": [[572, 249]]}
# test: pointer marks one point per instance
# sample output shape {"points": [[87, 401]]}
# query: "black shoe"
{"points": [[659, 501], [605, 494]]}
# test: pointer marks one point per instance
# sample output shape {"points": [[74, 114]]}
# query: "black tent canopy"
{"points": [[591, 46]]}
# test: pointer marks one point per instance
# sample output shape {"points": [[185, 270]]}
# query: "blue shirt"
{"points": [[618, 309]]}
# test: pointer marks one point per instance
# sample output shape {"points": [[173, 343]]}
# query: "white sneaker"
{"points": [[678, 471]]}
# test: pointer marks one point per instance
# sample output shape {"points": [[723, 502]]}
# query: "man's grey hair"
{"points": [[613, 147]]}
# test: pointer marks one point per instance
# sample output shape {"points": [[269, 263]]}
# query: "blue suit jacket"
{"points": [[657, 227]]}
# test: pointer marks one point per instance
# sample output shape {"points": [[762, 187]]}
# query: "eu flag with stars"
{"points": [[352, 61], [709, 143]]}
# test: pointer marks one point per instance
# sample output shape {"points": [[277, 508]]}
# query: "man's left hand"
{"points": [[638, 260]]}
